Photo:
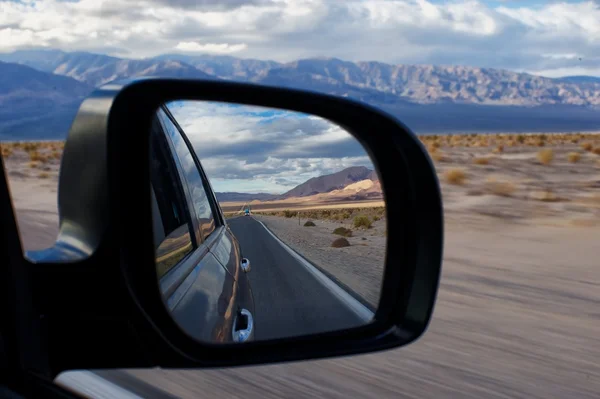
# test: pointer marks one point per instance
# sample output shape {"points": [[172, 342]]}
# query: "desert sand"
{"points": [[517, 312]]}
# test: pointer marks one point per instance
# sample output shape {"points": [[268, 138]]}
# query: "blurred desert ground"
{"points": [[517, 312]]}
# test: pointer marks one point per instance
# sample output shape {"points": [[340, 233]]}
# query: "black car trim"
{"points": [[210, 193]]}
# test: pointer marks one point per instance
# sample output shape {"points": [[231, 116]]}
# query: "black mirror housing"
{"points": [[105, 309]]}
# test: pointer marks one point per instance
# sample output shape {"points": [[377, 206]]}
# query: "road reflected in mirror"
{"points": [[267, 223]]}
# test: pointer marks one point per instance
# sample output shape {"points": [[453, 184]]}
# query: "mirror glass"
{"points": [[267, 223]]}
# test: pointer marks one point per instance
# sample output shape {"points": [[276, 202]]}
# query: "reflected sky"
{"points": [[254, 149]]}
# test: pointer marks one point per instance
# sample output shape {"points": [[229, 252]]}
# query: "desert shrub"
{"points": [[33, 165], [573, 157], [6, 151], [501, 187], [290, 214], [340, 243], [521, 138], [499, 149], [30, 146], [439, 156], [44, 175], [596, 150], [35, 156], [309, 223], [455, 176], [545, 156], [362, 221], [376, 218], [587, 146], [481, 160], [342, 231]]}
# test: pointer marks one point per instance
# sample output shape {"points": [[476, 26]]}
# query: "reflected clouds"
{"points": [[275, 149]]}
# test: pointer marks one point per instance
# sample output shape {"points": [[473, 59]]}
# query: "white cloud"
{"points": [[218, 48], [254, 149], [514, 35]]}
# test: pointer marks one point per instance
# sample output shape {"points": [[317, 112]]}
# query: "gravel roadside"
{"points": [[358, 267]]}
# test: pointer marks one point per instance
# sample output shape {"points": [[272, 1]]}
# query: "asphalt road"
{"points": [[290, 296]]}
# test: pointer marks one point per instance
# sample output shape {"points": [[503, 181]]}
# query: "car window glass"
{"points": [[198, 192], [172, 229]]}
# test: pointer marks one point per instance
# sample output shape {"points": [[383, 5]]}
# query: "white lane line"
{"points": [[92, 385], [364, 313]]}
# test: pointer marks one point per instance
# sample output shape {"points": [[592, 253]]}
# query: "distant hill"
{"points": [[427, 98], [377, 81], [36, 104], [96, 69], [124, 69], [327, 183], [579, 79], [225, 66], [354, 183]]}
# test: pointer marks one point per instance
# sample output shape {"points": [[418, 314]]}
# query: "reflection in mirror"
{"points": [[267, 223]]}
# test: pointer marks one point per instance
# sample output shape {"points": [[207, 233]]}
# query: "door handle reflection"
{"points": [[242, 326]]}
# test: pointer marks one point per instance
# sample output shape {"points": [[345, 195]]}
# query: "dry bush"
{"points": [[573, 157], [35, 156], [546, 156], [596, 151], [455, 176], [29, 146], [44, 175], [340, 243], [6, 151], [499, 149], [376, 218], [290, 214], [309, 223], [481, 160], [439, 156], [587, 146], [502, 188], [521, 139], [362, 221], [342, 231], [33, 164]]}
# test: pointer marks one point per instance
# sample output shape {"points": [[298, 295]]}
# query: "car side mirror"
{"points": [[105, 291]]}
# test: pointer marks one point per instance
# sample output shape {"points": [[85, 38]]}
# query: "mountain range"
{"points": [[356, 182], [428, 98]]}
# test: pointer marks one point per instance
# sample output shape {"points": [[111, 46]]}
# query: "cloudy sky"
{"points": [[252, 149], [552, 38]]}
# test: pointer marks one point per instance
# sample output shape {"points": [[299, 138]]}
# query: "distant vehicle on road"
{"points": [[197, 255], [247, 212]]}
